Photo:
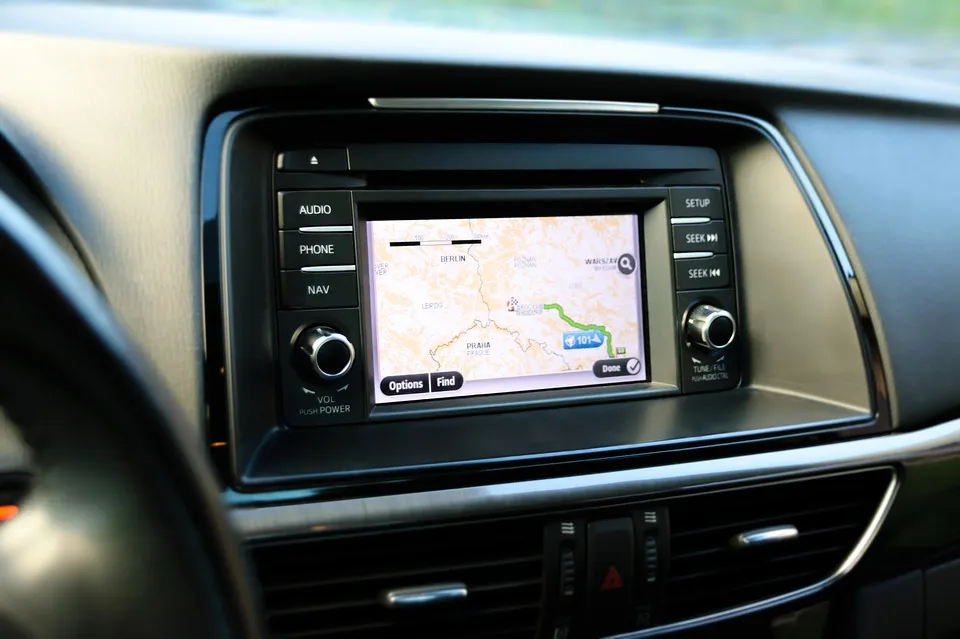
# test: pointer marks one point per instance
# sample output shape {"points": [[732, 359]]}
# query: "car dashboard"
{"points": [[516, 335]]}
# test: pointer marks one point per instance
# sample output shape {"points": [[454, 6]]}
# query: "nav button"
{"points": [[621, 367], [300, 289], [445, 382]]}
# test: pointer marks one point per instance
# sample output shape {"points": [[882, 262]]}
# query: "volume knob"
{"points": [[710, 327], [323, 352]]}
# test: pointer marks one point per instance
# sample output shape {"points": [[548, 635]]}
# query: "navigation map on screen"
{"points": [[494, 305]]}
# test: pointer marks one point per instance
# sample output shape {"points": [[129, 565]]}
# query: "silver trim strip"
{"points": [[764, 536], [424, 595], [842, 570], [563, 492], [346, 228], [690, 255], [691, 220], [349, 268], [496, 104]]}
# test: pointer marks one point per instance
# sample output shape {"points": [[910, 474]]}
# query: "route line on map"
{"points": [[583, 327]]}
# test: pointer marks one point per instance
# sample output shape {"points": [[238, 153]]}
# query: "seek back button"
{"points": [[445, 382]]}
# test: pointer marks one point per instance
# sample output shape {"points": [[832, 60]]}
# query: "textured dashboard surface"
{"points": [[893, 180], [114, 135]]}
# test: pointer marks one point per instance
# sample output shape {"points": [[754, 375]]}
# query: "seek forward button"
{"points": [[621, 367], [445, 382]]}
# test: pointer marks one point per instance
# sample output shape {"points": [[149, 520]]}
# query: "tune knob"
{"points": [[321, 351], [710, 327]]}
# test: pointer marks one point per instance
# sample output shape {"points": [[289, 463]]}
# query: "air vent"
{"points": [[708, 573], [334, 587]]}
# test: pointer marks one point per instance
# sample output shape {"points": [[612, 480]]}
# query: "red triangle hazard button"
{"points": [[612, 580]]}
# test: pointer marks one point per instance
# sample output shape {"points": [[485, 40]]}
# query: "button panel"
{"points": [[317, 265], [703, 275], [298, 249], [299, 209]]}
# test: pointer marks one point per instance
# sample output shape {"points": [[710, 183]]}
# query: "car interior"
{"points": [[323, 326]]}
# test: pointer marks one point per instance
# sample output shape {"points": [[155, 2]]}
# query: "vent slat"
{"points": [[760, 586], [759, 522], [725, 552], [506, 585], [327, 632], [707, 575], [403, 574], [758, 565], [339, 605], [720, 544], [330, 588]]}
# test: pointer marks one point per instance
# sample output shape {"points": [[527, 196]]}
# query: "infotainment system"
{"points": [[413, 299], [485, 305], [405, 302], [426, 281]]}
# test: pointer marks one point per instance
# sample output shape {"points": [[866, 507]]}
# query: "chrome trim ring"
{"points": [[702, 331], [318, 344]]}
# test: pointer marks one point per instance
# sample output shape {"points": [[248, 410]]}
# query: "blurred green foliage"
{"points": [[766, 20]]}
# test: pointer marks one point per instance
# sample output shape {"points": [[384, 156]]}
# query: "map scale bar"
{"points": [[434, 242]]}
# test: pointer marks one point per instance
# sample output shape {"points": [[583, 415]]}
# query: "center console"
{"points": [[412, 294]]}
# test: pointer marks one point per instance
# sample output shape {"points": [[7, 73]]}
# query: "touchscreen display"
{"points": [[495, 305]]}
